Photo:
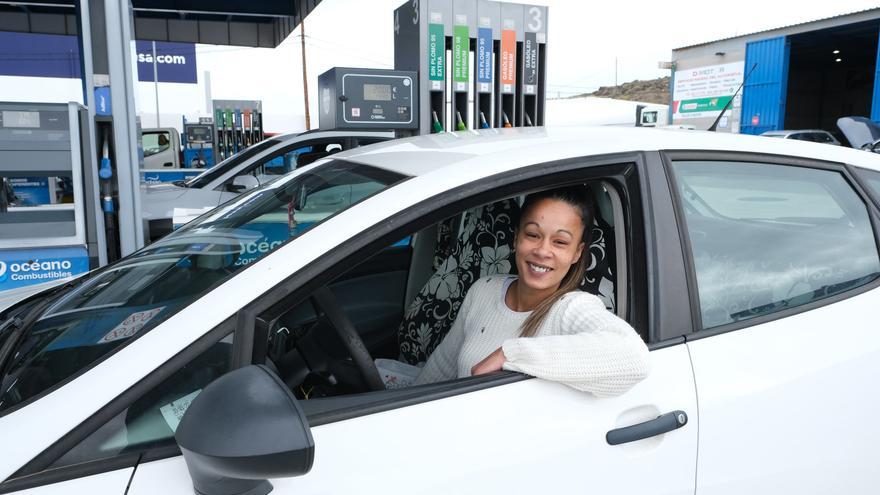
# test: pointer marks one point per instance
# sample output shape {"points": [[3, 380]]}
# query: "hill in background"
{"points": [[651, 91]]}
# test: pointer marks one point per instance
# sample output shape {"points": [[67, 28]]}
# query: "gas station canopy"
{"points": [[257, 23]]}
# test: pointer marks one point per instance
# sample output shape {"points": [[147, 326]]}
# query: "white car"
{"points": [[750, 267], [259, 164], [811, 135]]}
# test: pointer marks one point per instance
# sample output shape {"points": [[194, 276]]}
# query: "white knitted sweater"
{"points": [[580, 343]]}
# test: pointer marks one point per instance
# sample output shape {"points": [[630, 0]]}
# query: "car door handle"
{"points": [[658, 426]]}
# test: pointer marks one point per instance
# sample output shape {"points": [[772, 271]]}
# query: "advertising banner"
{"points": [[31, 191], [175, 62], [21, 268], [39, 55], [702, 92], [52, 55]]}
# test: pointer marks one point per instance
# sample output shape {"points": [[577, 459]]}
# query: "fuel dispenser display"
{"points": [[198, 144], [237, 125], [48, 200], [368, 99], [480, 64]]}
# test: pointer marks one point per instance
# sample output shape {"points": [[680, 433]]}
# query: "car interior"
{"points": [[401, 302]]}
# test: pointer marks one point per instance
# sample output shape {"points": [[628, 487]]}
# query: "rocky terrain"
{"points": [[651, 91]]}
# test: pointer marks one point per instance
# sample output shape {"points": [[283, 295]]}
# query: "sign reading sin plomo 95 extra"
{"points": [[436, 52]]}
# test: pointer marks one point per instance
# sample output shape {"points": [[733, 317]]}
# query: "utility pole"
{"points": [[302, 27], [615, 71]]}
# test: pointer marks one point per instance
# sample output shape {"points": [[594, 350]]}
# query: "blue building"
{"points": [[803, 76]]}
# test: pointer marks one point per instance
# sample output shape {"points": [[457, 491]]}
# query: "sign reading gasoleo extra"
{"points": [[508, 60]]}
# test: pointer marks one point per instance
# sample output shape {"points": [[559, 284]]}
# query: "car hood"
{"points": [[859, 131]]}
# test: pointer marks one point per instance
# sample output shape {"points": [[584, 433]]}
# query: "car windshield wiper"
{"points": [[19, 324]]}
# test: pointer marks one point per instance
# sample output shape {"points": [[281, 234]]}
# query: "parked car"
{"points": [[812, 135], [750, 267], [167, 206]]}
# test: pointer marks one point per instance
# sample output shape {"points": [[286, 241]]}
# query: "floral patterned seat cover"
{"points": [[484, 246]]}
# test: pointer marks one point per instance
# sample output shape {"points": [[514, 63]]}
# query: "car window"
{"points": [[151, 420], [228, 164], [821, 137], [155, 142], [872, 177], [128, 298], [288, 160], [769, 237]]}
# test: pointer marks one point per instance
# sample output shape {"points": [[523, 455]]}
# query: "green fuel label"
{"points": [[715, 103], [436, 52], [460, 53]]}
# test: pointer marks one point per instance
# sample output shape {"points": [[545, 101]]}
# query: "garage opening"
{"points": [[831, 75]]}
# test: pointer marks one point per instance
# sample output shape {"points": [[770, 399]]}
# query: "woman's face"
{"points": [[548, 243]]}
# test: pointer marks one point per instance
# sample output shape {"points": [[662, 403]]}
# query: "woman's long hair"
{"points": [[581, 199]]}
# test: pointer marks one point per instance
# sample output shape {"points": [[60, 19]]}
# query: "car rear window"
{"points": [[128, 298]]}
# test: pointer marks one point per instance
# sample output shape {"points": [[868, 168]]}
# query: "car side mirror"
{"points": [[242, 429], [244, 182]]}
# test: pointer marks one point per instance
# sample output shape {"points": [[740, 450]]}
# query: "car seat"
{"points": [[484, 246]]}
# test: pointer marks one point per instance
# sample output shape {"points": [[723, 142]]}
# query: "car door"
{"points": [[504, 433], [784, 274]]}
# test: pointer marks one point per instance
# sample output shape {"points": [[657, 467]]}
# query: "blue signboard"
{"points": [[54, 55], [102, 101], [39, 55], [174, 62], [31, 191], [21, 268], [484, 55]]}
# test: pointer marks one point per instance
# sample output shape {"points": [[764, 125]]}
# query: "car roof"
{"points": [[500, 149], [319, 133]]}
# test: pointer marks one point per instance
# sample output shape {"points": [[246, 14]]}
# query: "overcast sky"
{"points": [[584, 39]]}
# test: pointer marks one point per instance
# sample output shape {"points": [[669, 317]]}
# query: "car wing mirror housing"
{"points": [[244, 182], [242, 429]]}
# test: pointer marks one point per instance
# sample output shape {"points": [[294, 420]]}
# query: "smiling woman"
{"points": [[540, 323]]}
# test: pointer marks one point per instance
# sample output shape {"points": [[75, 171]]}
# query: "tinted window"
{"points": [[228, 164], [769, 237], [821, 137], [130, 297]]}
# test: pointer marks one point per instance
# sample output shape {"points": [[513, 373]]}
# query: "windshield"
{"points": [[228, 164], [128, 298]]}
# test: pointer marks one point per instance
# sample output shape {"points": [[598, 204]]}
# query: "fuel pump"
{"points": [[377, 99], [48, 197]]}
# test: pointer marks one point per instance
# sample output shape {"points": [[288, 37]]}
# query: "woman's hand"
{"points": [[492, 362]]}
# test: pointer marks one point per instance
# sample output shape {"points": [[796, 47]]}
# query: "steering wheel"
{"points": [[326, 303]]}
